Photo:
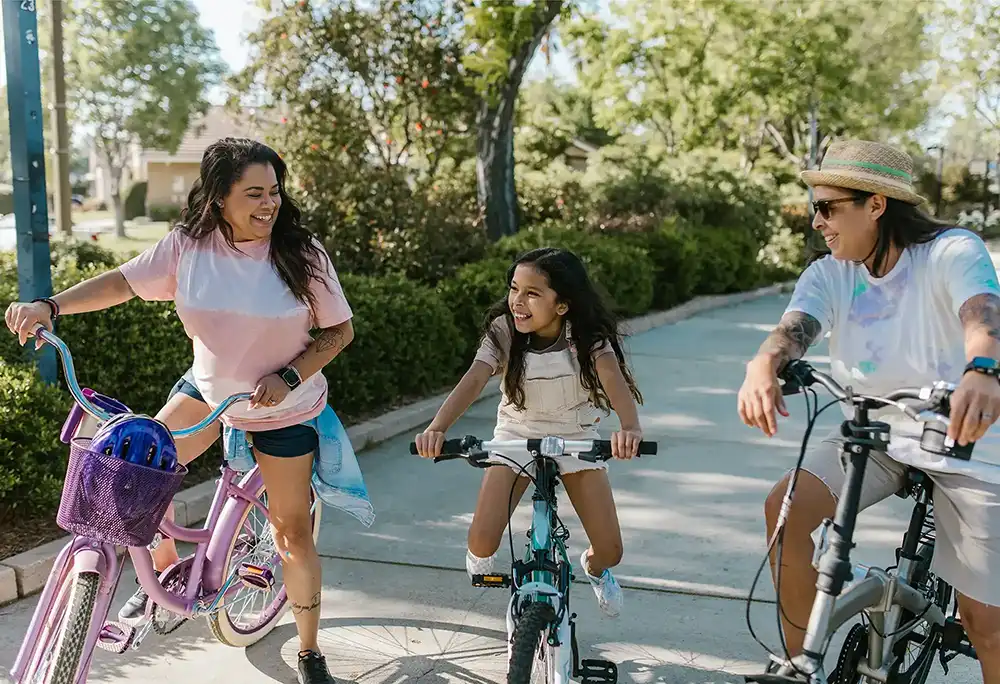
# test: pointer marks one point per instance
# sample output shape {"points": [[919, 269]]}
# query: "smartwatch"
{"points": [[984, 365], [291, 376]]}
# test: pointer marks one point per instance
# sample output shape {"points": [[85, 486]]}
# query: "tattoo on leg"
{"points": [[981, 313], [793, 336], [298, 608], [330, 338]]}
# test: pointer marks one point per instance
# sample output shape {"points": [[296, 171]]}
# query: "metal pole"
{"points": [[63, 203], [27, 157]]}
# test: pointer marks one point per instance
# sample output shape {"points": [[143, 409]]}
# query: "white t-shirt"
{"points": [[903, 330]]}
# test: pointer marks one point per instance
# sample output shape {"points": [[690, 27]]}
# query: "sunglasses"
{"points": [[822, 207]]}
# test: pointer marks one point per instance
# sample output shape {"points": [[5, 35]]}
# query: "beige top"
{"points": [[496, 359]]}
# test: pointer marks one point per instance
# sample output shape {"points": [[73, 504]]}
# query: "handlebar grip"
{"points": [[451, 447], [602, 450]]}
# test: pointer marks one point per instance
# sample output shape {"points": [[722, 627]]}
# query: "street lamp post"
{"points": [[27, 156]]}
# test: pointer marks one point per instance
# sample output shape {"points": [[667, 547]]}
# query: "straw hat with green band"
{"points": [[866, 166]]}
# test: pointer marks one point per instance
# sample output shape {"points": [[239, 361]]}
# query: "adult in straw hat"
{"points": [[906, 300]]}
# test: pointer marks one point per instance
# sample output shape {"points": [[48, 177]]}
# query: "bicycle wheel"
{"points": [[60, 645], [530, 656], [240, 622]]}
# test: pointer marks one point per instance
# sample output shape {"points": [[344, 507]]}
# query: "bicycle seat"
{"points": [[915, 480]]}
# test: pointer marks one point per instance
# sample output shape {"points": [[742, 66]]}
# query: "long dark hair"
{"points": [[294, 254], [901, 224], [592, 322]]}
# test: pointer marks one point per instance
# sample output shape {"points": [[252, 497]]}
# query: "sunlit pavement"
{"points": [[398, 607]]}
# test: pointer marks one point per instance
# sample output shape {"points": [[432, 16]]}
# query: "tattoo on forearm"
{"points": [[298, 608], [982, 313], [792, 337], [330, 338]]}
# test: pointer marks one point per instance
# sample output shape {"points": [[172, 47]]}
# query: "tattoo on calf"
{"points": [[298, 608], [330, 338], [792, 337]]}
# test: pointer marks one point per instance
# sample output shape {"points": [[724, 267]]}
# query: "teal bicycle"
{"points": [[540, 627]]}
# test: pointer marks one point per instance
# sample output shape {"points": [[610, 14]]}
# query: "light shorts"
{"points": [[966, 515]]}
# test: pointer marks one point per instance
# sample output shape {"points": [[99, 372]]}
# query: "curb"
{"points": [[27, 572]]}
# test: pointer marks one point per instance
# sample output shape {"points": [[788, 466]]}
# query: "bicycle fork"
{"points": [[832, 560]]}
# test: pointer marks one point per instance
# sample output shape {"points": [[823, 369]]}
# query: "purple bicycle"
{"points": [[231, 578]]}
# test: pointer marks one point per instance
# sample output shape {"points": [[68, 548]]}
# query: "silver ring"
{"points": [[985, 416]]}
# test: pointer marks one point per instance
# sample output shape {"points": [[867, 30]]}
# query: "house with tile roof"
{"points": [[169, 176]]}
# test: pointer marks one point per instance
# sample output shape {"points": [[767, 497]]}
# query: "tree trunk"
{"points": [[116, 201], [495, 137]]}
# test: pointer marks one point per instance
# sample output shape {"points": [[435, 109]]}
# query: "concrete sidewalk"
{"points": [[397, 603]]}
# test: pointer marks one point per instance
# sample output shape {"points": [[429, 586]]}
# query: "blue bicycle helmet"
{"points": [[137, 439]]}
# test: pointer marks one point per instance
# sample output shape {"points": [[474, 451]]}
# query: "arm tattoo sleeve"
{"points": [[791, 338], [330, 338], [982, 312]]}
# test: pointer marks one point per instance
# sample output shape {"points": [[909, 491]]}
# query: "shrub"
{"points": [[170, 213], [676, 262], [622, 270], [135, 201], [32, 459], [470, 293], [406, 344]]}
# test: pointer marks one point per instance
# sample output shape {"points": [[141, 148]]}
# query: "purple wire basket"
{"points": [[113, 500]]}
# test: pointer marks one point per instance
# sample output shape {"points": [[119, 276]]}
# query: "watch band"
{"points": [[53, 307], [984, 365]]}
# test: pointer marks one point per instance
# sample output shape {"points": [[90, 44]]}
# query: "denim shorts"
{"points": [[286, 442]]}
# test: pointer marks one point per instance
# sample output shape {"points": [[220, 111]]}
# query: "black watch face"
{"points": [[289, 378]]}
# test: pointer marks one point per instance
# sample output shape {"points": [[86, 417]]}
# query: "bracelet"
{"points": [[53, 307]]}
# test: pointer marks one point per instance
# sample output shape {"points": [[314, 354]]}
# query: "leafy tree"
{"points": [[744, 75], [375, 109], [502, 38], [137, 73], [551, 116]]}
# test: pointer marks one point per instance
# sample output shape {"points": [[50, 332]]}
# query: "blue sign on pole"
{"points": [[27, 156]]}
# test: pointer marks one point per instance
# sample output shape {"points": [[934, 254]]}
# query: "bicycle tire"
{"points": [[74, 628], [526, 639], [220, 622]]}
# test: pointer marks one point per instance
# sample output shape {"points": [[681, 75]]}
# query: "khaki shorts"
{"points": [[966, 515]]}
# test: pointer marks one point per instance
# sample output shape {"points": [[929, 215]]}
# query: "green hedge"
{"points": [[412, 339]]}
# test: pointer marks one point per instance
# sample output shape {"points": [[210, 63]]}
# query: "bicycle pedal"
{"points": [[598, 672], [256, 577], [491, 581], [115, 637]]}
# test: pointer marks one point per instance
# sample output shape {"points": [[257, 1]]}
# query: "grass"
{"points": [[137, 237]]}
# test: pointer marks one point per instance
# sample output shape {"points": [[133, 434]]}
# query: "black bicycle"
{"points": [[904, 609]]}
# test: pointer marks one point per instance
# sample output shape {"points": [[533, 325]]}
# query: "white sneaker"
{"points": [[474, 565], [607, 589]]}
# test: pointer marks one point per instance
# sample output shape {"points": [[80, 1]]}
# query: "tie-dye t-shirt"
{"points": [[901, 330], [243, 319]]}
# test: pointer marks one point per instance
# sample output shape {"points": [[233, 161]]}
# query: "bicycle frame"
{"points": [[205, 588], [547, 567], [873, 589]]}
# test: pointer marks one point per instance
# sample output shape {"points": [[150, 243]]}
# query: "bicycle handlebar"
{"points": [[69, 370], [933, 411], [798, 374], [476, 450]]}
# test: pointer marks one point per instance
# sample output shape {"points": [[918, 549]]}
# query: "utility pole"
{"points": [[63, 204], [27, 157]]}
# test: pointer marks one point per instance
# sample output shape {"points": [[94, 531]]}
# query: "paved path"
{"points": [[397, 604]]}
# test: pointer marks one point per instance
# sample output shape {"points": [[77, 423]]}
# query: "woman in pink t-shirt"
{"points": [[249, 284]]}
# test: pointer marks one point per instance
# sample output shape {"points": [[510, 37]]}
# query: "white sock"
{"points": [[474, 565]]}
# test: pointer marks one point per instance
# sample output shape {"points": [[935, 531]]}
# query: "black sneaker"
{"points": [[312, 669], [135, 608]]}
